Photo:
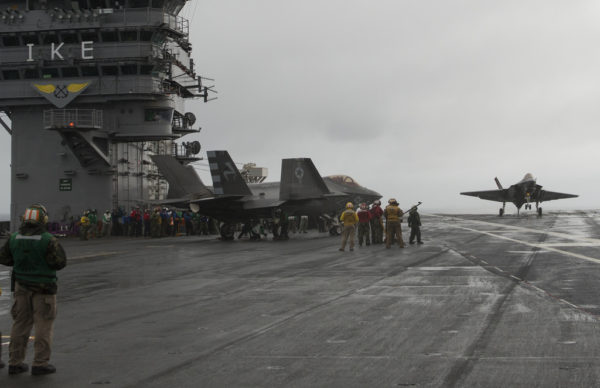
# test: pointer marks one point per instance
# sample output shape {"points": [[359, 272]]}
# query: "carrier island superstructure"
{"points": [[89, 89]]}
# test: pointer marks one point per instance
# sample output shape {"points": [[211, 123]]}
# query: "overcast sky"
{"points": [[418, 100]]}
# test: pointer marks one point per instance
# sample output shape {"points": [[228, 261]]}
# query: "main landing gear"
{"points": [[501, 212], [227, 232]]}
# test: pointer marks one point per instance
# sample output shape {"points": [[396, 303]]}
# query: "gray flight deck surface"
{"points": [[486, 302]]}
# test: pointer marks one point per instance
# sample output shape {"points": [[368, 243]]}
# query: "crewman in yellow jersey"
{"points": [[349, 220], [393, 218]]}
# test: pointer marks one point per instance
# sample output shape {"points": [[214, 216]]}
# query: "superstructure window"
{"points": [[146, 69], [89, 36], [9, 41], [89, 71], [30, 39], [49, 39], [146, 36], [129, 36], [165, 115], [69, 38], [129, 69], [81, 4], [10, 74], [110, 70], [50, 72], [70, 72], [110, 36], [31, 74], [138, 3]]}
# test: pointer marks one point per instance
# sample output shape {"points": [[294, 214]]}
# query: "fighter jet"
{"points": [[302, 190], [525, 192]]}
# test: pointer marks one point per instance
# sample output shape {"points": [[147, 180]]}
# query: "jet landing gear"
{"points": [[227, 232], [501, 211]]}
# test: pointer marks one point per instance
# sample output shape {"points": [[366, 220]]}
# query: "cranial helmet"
{"points": [[392, 200], [363, 205], [349, 205], [36, 214]]}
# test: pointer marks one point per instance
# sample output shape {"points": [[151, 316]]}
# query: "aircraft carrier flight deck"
{"points": [[485, 302]]}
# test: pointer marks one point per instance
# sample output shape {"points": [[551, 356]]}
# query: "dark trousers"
{"points": [[415, 231]]}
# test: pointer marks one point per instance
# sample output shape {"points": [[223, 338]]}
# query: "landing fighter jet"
{"points": [[301, 191], [525, 192]]}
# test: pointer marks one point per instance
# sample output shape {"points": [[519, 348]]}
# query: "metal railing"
{"points": [[177, 23], [73, 118]]}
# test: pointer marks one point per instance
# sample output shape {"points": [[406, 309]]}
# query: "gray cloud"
{"points": [[417, 99]]}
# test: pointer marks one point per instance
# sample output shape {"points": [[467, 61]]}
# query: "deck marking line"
{"points": [[566, 253], [522, 229]]}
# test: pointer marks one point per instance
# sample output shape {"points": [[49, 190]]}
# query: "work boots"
{"points": [[18, 369], [43, 370]]}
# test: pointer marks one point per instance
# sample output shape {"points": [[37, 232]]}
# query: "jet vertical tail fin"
{"points": [[227, 179], [300, 179], [498, 183], [184, 182]]}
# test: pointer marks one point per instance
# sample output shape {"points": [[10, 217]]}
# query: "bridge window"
{"points": [[89, 36], [96, 3], [30, 39], [129, 36], [146, 69], [50, 73], [69, 37], [138, 3], [146, 36], [49, 39], [9, 41], [70, 72], [110, 36], [129, 69], [110, 70], [10, 74], [89, 71], [31, 74], [158, 115]]}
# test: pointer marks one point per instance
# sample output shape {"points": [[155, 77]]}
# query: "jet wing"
{"points": [[551, 195], [262, 204], [490, 195]]}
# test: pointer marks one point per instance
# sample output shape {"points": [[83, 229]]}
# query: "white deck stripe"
{"points": [[541, 246]]}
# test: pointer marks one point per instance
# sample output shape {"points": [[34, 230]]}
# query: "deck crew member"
{"points": [[35, 256], [349, 219], [393, 219], [414, 223], [376, 223], [364, 218]]}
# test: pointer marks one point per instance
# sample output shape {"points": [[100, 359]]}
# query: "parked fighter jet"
{"points": [[302, 190], [525, 192]]}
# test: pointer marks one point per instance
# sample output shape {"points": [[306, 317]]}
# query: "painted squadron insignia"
{"points": [[60, 95], [299, 173]]}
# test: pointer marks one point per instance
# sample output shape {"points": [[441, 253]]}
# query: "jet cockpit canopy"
{"points": [[344, 180]]}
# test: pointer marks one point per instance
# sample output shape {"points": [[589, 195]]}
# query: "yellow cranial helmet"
{"points": [[392, 200], [36, 213], [349, 205]]}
